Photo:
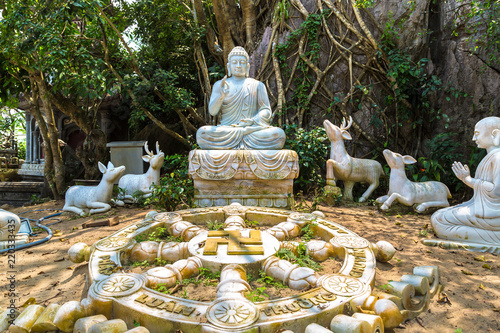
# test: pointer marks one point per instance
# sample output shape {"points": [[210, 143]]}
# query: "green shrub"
{"points": [[444, 149], [21, 150], [175, 188], [312, 148]]}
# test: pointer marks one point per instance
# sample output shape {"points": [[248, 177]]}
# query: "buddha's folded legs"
{"points": [[229, 137], [272, 138], [459, 223]]}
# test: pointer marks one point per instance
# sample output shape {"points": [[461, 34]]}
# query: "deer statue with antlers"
{"points": [[343, 167], [135, 186]]}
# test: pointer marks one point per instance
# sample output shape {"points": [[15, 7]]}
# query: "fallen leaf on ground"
{"points": [[481, 286], [63, 239], [467, 272], [486, 266], [57, 233], [443, 298], [41, 272], [29, 301], [397, 223], [60, 259], [27, 277], [480, 258]]}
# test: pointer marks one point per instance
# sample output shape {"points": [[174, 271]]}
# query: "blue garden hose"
{"points": [[46, 228]]}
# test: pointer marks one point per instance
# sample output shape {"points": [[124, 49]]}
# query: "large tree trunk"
{"points": [[48, 165], [221, 16], [52, 140]]}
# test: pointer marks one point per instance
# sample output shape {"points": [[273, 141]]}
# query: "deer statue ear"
{"points": [[407, 159], [346, 135], [110, 165], [102, 168], [146, 158], [496, 137]]}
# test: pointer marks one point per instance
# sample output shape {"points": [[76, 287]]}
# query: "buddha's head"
{"points": [[238, 62], [487, 132]]}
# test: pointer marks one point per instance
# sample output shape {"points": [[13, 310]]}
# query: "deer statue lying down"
{"points": [[94, 197], [132, 184], [426, 194], [343, 167]]}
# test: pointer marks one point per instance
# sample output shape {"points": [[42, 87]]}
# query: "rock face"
{"points": [[436, 30]]}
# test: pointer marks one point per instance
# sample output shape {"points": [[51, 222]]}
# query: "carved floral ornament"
{"points": [[230, 309]]}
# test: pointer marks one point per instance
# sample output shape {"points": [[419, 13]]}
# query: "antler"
{"points": [[158, 151], [150, 153], [343, 127]]}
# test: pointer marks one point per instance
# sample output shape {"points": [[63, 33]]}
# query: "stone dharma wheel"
{"points": [[234, 251]]}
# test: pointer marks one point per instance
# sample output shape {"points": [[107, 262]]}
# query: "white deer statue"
{"points": [[426, 194], [133, 184], [350, 170], [94, 197]]}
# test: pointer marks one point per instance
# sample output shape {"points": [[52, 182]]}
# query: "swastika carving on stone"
{"points": [[237, 244]]}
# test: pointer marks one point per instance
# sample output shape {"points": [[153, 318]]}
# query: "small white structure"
{"points": [[426, 194], [94, 197], [132, 184], [343, 167]]}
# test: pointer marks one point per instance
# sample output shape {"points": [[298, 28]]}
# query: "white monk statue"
{"points": [[245, 111], [476, 221]]}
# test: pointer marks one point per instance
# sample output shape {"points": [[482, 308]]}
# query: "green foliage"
{"points": [[175, 187], [312, 150], [160, 234], [412, 88], [139, 198], [303, 82], [307, 233], [481, 21], [204, 277], [11, 122], [161, 262], [59, 38], [269, 281], [257, 295], [302, 258], [215, 225], [385, 287], [162, 288], [365, 3], [21, 150], [167, 83], [251, 224], [443, 151], [144, 263]]}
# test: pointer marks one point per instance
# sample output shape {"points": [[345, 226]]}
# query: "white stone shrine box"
{"points": [[129, 154], [250, 177]]}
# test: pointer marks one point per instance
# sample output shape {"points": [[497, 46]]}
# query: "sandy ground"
{"points": [[472, 286]]}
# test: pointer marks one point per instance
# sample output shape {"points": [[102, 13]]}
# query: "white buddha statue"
{"points": [[245, 111], [476, 221]]}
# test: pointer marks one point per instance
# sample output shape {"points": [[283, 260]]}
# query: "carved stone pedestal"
{"points": [[250, 177]]}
